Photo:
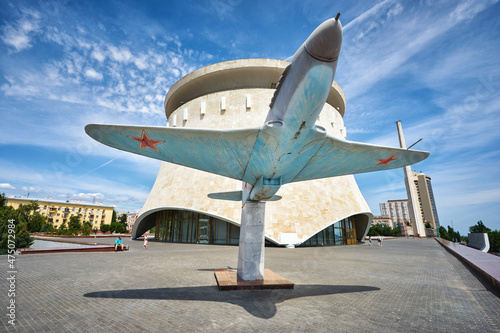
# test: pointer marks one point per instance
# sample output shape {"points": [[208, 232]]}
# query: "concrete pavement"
{"points": [[408, 285]]}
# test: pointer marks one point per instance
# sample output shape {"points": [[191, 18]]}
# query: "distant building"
{"points": [[396, 210], [383, 220], [426, 199], [131, 220], [131, 217], [59, 212]]}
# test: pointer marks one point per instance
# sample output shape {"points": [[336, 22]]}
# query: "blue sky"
{"points": [[434, 65]]}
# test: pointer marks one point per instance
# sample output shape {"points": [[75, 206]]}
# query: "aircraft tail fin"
{"points": [[231, 196]]}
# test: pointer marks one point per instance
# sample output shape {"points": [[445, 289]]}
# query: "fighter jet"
{"points": [[289, 147]]}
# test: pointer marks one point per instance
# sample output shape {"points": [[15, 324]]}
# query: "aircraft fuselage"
{"points": [[289, 137]]}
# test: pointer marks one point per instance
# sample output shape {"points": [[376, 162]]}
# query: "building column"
{"points": [[251, 248]]}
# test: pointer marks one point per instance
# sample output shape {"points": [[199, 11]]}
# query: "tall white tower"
{"points": [[411, 190]]}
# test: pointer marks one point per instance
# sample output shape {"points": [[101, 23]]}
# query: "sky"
{"points": [[434, 65]]}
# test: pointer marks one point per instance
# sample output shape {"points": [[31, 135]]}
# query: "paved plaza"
{"points": [[408, 285]]}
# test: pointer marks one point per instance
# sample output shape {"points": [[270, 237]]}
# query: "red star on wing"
{"points": [[386, 161], [146, 142]]}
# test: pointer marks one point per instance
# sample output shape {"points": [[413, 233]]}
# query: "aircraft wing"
{"points": [[339, 157], [225, 153]]}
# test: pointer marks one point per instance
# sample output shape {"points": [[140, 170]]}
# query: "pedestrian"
{"points": [[370, 240], [379, 240], [145, 241]]}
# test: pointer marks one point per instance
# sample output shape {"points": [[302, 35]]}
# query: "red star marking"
{"points": [[386, 161], [146, 142]]}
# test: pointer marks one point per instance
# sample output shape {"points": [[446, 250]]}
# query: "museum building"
{"points": [[233, 95]]}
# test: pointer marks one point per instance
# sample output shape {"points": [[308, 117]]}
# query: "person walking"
{"points": [[370, 240], [379, 240], [145, 242]]}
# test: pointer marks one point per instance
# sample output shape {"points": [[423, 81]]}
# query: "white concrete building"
{"points": [[231, 95]]}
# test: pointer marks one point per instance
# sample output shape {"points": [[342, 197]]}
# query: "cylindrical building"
{"points": [[231, 95]]}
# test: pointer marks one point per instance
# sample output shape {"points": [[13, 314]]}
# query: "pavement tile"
{"points": [[408, 285]]}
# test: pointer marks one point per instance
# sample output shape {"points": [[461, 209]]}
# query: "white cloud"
{"points": [[369, 56], [120, 54], [7, 186], [18, 35], [462, 127], [141, 62], [90, 73], [224, 9], [372, 12], [16, 38], [66, 183], [98, 55], [88, 196], [29, 189]]}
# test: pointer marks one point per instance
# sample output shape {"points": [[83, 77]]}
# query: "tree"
{"points": [[383, 230], [443, 233], [479, 228], [28, 213], [454, 235], [113, 218], [494, 238], [36, 222], [48, 227], [10, 220], [104, 228], [86, 228], [123, 221], [63, 229], [117, 227], [74, 225]]}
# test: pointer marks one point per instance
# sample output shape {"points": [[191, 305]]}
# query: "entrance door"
{"points": [[203, 231]]}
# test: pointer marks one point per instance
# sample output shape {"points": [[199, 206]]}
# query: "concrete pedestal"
{"points": [[250, 274], [251, 249], [227, 279]]}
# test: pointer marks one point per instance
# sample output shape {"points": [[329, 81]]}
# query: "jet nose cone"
{"points": [[325, 42]]}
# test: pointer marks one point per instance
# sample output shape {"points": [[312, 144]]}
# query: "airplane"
{"points": [[289, 147]]}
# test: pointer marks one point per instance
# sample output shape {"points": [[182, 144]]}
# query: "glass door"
{"points": [[204, 231]]}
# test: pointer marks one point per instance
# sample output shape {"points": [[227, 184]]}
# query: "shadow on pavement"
{"points": [[260, 303]]}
